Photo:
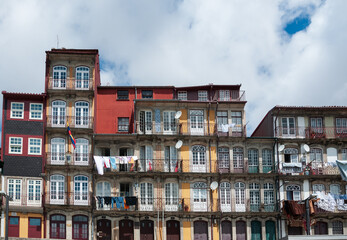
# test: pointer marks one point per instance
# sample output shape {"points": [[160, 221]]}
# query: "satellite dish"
{"points": [[307, 148], [178, 144], [178, 115], [214, 185], [280, 148]]}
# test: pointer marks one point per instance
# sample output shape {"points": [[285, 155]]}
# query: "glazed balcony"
{"points": [[70, 84], [84, 122], [68, 198], [311, 132], [187, 129], [77, 159]]}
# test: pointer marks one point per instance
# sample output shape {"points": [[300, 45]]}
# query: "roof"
{"points": [[279, 107], [127, 87], [73, 51], [40, 96]]}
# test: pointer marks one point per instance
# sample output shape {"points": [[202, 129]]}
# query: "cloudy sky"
{"points": [[282, 52]]}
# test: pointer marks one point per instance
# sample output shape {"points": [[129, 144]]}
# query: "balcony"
{"points": [[25, 200], [68, 198], [187, 129], [70, 84], [77, 159], [85, 122], [311, 132]]}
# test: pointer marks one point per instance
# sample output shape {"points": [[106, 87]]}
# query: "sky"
{"points": [[289, 53]]}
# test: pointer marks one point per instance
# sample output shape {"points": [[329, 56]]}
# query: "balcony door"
{"points": [[81, 114], [200, 197], [57, 189], [170, 163], [146, 191], [225, 197], [240, 204], [58, 151], [169, 122], [199, 159], [81, 151], [171, 196], [81, 190], [196, 122], [58, 113]]}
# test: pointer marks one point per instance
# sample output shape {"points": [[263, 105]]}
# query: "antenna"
{"points": [[280, 148], [307, 148]]}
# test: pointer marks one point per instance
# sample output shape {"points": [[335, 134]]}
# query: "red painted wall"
{"points": [[25, 150]]}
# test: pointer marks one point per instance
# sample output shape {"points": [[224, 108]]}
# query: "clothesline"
{"points": [[102, 162]]}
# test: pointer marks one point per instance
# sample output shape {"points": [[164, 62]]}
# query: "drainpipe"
{"points": [[135, 130]]}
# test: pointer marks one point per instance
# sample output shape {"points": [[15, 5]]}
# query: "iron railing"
{"points": [[78, 159], [74, 121], [70, 84]]}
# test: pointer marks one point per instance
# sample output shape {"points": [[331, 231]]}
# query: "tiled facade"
{"points": [[176, 162]]}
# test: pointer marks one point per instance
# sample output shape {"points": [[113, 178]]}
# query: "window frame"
{"points": [[36, 111], [289, 128], [15, 145], [147, 94], [224, 95], [296, 192], [341, 128], [17, 111], [34, 146], [122, 96], [82, 81], [201, 96], [15, 196], [182, 95], [58, 228], [35, 195], [121, 126]]}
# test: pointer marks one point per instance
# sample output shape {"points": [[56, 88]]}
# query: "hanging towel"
{"points": [[176, 168], [107, 200], [100, 202], [120, 202], [342, 165], [131, 201], [113, 163], [126, 206], [131, 160], [99, 162], [149, 166], [225, 127], [107, 162]]}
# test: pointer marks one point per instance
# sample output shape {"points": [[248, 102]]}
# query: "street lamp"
{"points": [[2, 193]]}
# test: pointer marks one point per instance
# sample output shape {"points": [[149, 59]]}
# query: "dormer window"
{"points": [[202, 96], [224, 95]]}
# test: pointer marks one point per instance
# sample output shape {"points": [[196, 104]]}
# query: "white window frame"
{"points": [[82, 81], [146, 158], [15, 145], [33, 112], [296, 189], [199, 159], [202, 96], [182, 95], [58, 155], [236, 120], [200, 197], [318, 188], [225, 196], [13, 193], [81, 151], [341, 125], [81, 185], [58, 189], [82, 114], [147, 196], [30, 146], [36, 186], [103, 189], [224, 95], [171, 196], [288, 129], [169, 121], [17, 111], [59, 76], [338, 188], [240, 197], [59, 113], [170, 163]]}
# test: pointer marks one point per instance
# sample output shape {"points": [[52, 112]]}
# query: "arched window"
{"points": [[57, 226], [82, 78], [58, 151], [293, 192], [318, 188], [59, 77], [199, 158], [57, 191], [240, 197], [81, 114], [200, 196], [225, 197], [254, 192], [253, 160], [80, 227], [81, 190], [58, 113], [81, 151]]}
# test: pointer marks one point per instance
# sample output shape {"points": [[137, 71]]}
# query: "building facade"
{"points": [[23, 152]]}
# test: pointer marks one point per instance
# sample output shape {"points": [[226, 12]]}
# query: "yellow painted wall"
{"points": [[160, 232], [212, 121], [185, 158], [24, 223], [215, 232], [215, 200], [186, 195], [186, 230], [184, 121], [213, 159]]}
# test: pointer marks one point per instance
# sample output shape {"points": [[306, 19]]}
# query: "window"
{"points": [[224, 95], [81, 190], [341, 125], [288, 126], [147, 94], [14, 190], [57, 150], [34, 191], [57, 189], [267, 160], [344, 154], [146, 158], [182, 95], [122, 94], [58, 113], [335, 189], [293, 193], [225, 197], [82, 77], [202, 96], [253, 160], [82, 114], [317, 125], [318, 188], [123, 124], [145, 121], [15, 145], [17, 110], [169, 121], [81, 152], [57, 226], [337, 227], [34, 147], [103, 189], [254, 194], [238, 159], [196, 122], [36, 110], [200, 196], [199, 158], [222, 119], [269, 199], [59, 77], [236, 121], [291, 155], [316, 155], [223, 159], [146, 190], [171, 195], [171, 163], [80, 227], [125, 189], [240, 197]]}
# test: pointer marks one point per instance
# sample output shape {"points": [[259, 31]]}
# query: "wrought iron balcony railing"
{"points": [[74, 121], [70, 84]]}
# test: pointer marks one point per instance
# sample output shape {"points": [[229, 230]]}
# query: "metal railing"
{"points": [[32, 200], [68, 198], [74, 121], [71, 84], [311, 132], [78, 159]]}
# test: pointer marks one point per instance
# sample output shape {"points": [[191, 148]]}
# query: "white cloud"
{"points": [[178, 42]]}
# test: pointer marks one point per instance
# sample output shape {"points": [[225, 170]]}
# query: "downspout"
{"points": [[93, 185], [135, 130]]}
